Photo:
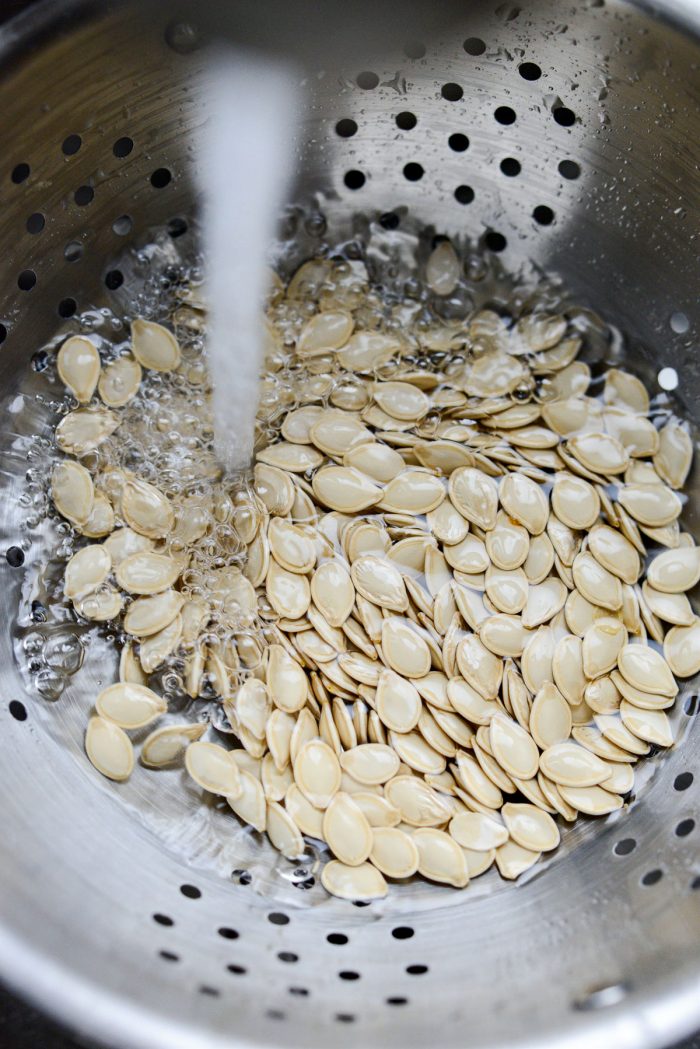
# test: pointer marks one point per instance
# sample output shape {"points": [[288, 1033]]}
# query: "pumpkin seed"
{"points": [[78, 365], [147, 572], [594, 801], [477, 831], [364, 882], [570, 765], [595, 583], [72, 491], [153, 346], [84, 430], [119, 382], [652, 726], [513, 860], [442, 271], [601, 646], [86, 571], [475, 496], [479, 667], [418, 804], [550, 717], [109, 749], [250, 804], [100, 605], [317, 772], [148, 615], [646, 670], [393, 852], [346, 830], [146, 510], [213, 768], [675, 571], [283, 831], [165, 745], [530, 827], [375, 460], [154, 650], [675, 454], [328, 330], [681, 651], [653, 505]]}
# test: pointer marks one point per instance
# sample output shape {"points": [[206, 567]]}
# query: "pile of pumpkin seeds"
{"points": [[453, 608]]}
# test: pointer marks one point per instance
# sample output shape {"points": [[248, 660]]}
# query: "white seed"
{"points": [[328, 330], [536, 663], [544, 600], [601, 646], [479, 667], [478, 862], [147, 573], [317, 772], [540, 559], [652, 726], [675, 571], [442, 270], [599, 452], [101, 520], [283, 831], [647, 670], [146, 510], [78, 364], [550, 717], [72, 491], [250, 803], [474, 780], [345, 489], [513, 860], [154, 346], [418, 804], [440, 858], [413, 492], [380, 582], [615, 553], [394, 852], [597, 584], [296, 458], [109, 749], [575, 501], [405, 650], [672, 608], [675, 454], [166, 745], [276, 489], [513, 747], [148, 615], [504, 635], [307, 817], [119, 382], [378, 461], [682, 651], [364, 882], [494, 374], [377, 810], [653, 505], [524, 501], [477, 831], [593, 801], [213, 768], [615, 732], [130, 705], [401, 400], [125, 542], [346, 830], [417, 753], [530, 827], [475, 496], [86, 571], [84, 430], [100, 606], [602, 696], [570, 765]]}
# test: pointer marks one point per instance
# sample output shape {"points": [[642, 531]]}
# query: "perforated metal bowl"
{"points": [[567, 135]]}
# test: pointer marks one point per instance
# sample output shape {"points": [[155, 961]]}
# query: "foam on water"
{"points": [[247, 159]]}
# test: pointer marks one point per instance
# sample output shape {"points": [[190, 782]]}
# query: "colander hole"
{"points": [[414, 49], [625, 847], [35, 223], [692, 706], [683, 781], [40, 361], [652, 877], [403, 932], [504, 115], [236, 970], [210, 992], [72, 251], [543, 215], [458, 142], [163, 919], [452, 92], [123, 146], [367, 81], [564, 116], [348, 974], [20, 172], [3, 333], [361, 903], [122, 225], [71, 145], [495, 241], [278, 918], [275, 1014], [474, 46], [529, 71], [299, 992], [67, 307], [114, 279], [15, 556], [668, 378], [160, 178], [695, 883], [289, 957], [346, 128], [397, 1000], [389, 220], [569, 169], [228, 933], [83, 196], [348, 1018], [243, 877], [416, 970], [354, 179], [26, 280], [18, 710], [337, 938], [464, 194], [684, 828], [679, 323], [176, 227], [191, 892], [413, 172], [510, 167], [406, 120], [169, 956]]}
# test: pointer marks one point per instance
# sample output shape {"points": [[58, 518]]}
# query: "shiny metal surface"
{"points": [[596, 950]]}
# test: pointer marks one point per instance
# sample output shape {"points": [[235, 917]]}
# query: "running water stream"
{"points": [[248, 151]]}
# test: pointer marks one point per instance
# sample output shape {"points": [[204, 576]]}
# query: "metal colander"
{"points": [[564, 135]]}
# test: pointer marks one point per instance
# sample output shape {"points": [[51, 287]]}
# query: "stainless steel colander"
{"points": [[564, 135]]}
